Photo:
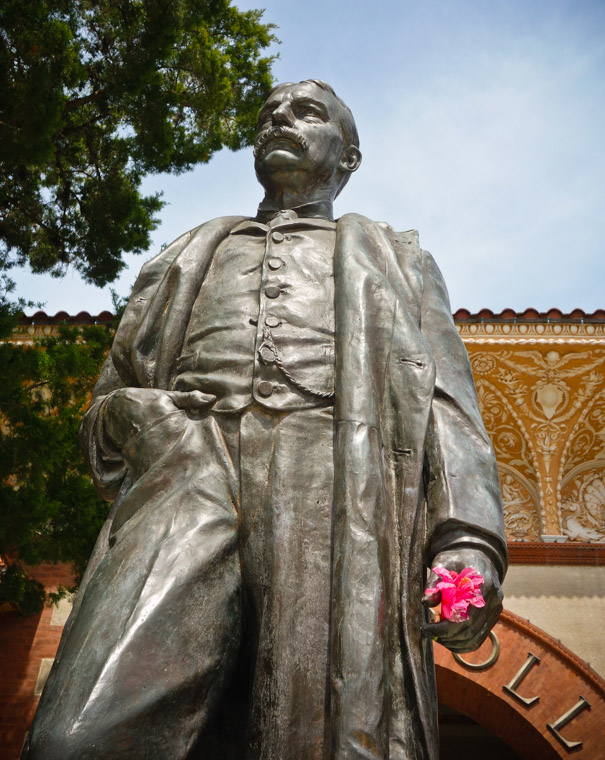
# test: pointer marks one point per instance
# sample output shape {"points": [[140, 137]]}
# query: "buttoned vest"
{"points": [[262, 325]]}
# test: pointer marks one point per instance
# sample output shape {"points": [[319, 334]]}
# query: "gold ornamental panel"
{"points": [[541, 389]]}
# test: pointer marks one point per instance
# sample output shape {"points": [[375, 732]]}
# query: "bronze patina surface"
{"points": [[288, 427]]}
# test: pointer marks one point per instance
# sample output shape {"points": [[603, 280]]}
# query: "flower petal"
{"points": [[473, 575], [457, 611], [477, 599], [448, 575], [448, 598], [458, 591], [458, 616]]}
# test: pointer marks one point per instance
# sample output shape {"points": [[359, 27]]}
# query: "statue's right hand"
{"points": [[129, 410], [192, 401]]}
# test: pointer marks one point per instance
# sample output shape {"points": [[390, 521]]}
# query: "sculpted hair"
{"points": [[349, 127]]}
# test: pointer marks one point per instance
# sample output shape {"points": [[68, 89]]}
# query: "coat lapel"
{"points": [[384, 381], [153, 327]]}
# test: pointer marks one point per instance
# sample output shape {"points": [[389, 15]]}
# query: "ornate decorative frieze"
{"points": [[541, 385], [541, 389]]}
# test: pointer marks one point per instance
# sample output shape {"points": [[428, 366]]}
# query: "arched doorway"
{"points": [[529, 691], [462, 737]]}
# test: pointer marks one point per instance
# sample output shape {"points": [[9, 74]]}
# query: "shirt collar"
{"points": [[321, 209], [286, 219]]}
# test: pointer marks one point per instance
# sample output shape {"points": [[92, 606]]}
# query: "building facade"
{"points": [[536, 687], [537, 683]]}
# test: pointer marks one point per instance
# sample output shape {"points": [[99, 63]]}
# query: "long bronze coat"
{"points": [[415, 470]]}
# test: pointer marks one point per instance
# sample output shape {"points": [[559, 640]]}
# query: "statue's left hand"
{"points": [[469, 634]]}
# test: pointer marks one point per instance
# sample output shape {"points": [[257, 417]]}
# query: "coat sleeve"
{"points": [[464, 506], [106, 463]]}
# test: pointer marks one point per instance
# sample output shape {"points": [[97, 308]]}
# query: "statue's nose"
{"points": [[283, 115]]}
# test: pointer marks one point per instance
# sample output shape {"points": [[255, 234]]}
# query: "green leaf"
{"points": [[49, 509], [94, 95]]}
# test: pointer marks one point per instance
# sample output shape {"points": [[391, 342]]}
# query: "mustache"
{"points": [[274, 132]]}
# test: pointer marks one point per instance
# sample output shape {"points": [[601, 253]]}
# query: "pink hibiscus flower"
{"points": [[458, 590]]}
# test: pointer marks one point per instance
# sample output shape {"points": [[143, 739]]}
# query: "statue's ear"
{"points": [[350, 159]]}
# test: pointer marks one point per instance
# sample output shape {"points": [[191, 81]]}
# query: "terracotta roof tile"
{"points": [[82, 318], [529, 315], [461, 315]]}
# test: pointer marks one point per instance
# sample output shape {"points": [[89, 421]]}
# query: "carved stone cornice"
{"points": [[537, 333], [570, 553]]}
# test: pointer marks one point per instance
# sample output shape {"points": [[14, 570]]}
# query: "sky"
{"points": [[482, 125]]}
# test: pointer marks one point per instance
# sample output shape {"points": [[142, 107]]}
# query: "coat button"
{"points": [[265, 388], [272, 321], [277, 237], [275, 263], [287, 214], [272, 291], [267, 355]]}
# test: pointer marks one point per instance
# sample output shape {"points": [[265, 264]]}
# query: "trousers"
{"points": [[204, 631]]}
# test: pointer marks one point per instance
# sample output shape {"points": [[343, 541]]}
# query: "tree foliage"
{"points": [[95, 94], [49, 510]]}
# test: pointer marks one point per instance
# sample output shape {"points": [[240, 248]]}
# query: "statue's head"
{"points": [[306, 137]]}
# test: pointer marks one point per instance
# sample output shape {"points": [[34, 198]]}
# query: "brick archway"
{"points": [[531, 684]]}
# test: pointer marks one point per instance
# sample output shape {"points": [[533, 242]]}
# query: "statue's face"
{"points": [[300, 137]]}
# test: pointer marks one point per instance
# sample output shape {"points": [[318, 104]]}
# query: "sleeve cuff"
{"points": [[463, 538]]}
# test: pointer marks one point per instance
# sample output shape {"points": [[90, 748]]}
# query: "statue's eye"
{"points": [[308, 112]]}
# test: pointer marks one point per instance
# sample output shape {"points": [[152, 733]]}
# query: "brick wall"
{"points": [[27, 648]]}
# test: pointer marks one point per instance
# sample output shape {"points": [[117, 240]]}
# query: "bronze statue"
{"points": [[289, 428]]}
